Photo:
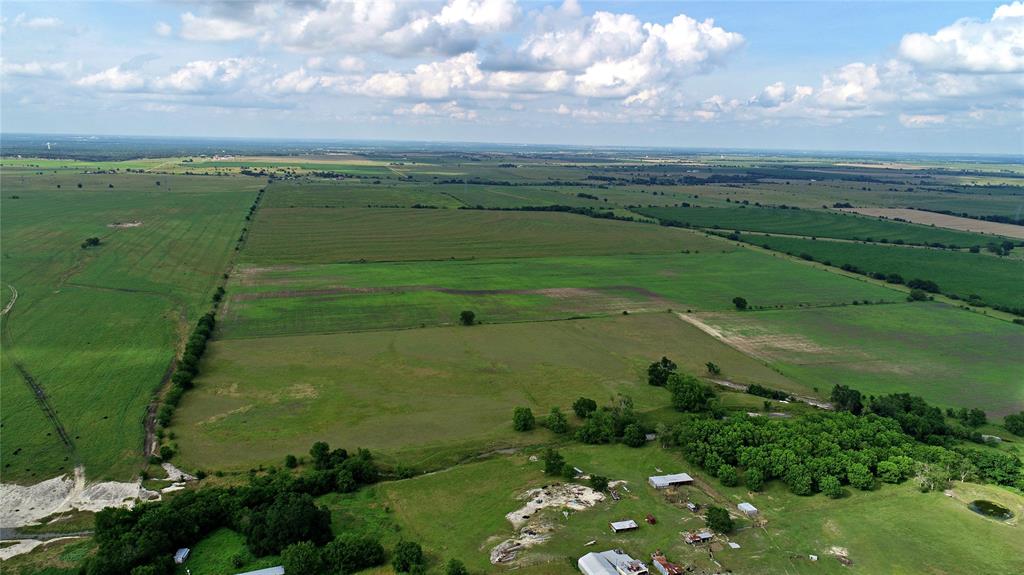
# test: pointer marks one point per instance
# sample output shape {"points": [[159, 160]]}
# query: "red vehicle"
{"points": [[651, 519]]}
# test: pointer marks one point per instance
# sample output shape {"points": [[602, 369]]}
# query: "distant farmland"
{"points": [[997, 280], [818, 223]]}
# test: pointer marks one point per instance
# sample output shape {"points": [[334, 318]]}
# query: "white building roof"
{"points": [[180, 555], [278, 570], [747, 508], [666, 480], [627, 524], [595, 564]]}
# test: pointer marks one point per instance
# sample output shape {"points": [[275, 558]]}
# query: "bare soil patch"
{"points": [[122, 225]]}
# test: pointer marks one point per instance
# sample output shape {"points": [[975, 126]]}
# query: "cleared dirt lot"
{"points": [[944, 221]]}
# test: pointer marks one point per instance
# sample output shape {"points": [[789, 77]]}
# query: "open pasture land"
{"points": [[460, 513], [813, 223], [97, 328], [355, 297], [429, 395], [997, 280], [945, 221], [949, 356], [295, 236]]}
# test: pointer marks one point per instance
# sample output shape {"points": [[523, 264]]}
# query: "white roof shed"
{"points": [[747, 508], [663, 481]]}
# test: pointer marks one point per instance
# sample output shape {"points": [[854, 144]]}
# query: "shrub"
{"points": [[831, 486], [522, 419], [728, 476], [718, 520], [407, 555], [583, 407]]}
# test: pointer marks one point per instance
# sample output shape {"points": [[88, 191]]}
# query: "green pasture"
{"points": [[997, 280], [428, 396], [459, 513], [351, 297], [949, 356], [814, 223], [97, 328], [293, 236]]}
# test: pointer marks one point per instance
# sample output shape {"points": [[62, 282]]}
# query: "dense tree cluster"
{"points": [[690, 395], [273, 511], [802, 453], [659, 371], [608, 423]]}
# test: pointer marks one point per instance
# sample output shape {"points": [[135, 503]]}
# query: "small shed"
{"points": [[748, 509], [626, 525], [181, 555], [698, 537], [665, 481], [692, 506]]}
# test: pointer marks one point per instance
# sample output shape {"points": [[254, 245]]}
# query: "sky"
{"points": [[882, 76]]}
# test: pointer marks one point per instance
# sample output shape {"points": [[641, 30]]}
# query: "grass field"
{"points": [[428, 394], [97, 328], [214, 555], [290, 236], [349, 297], [814, 223], [948, 356], [459, 513], [996, 280]]}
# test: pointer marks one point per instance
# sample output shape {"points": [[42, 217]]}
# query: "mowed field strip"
{"points": [[355, 297], [291, 236], [428, 393], [820, 223]]}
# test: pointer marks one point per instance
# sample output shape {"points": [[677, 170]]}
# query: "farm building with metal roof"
{"points": [[663, 481]]}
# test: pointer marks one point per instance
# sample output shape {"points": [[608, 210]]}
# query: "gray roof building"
{"points": [[614, 562]]}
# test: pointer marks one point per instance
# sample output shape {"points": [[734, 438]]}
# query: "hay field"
{"points": [[273, 300]]}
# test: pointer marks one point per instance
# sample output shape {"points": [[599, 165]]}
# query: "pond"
{"points": [[989, 509]]}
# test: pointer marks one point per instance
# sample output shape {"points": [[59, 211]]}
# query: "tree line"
{"points": [[273, 511]]}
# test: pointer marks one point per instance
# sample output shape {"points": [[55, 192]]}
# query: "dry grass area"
{"points": [[944, 221]]}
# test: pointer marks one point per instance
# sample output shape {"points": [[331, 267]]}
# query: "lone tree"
{"points": [[90, 242], [583, 407], [718, 520], [598, 482], [713, 368], [846, 398], [553, 462], [740, 303], [658, 372], [522, 419], [467, 317]]}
